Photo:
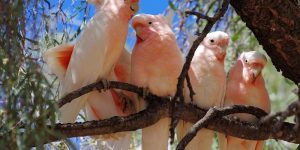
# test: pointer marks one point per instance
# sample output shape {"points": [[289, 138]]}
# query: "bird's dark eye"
{"points": [[212, 40], [246, 60], [149, 22]]}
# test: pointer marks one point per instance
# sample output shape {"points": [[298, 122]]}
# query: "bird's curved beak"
{"points": [[138, 25], [138, 31], [223, 44], [256, 71]]}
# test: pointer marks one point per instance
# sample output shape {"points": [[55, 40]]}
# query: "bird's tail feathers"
{"points": [[156, 136], [58, 59], [70, 111]]}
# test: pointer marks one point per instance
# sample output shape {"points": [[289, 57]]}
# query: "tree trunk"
{"points": [[276, 25]]}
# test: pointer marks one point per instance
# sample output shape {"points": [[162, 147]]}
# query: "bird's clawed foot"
{"points": [[106, 85], [127, 103], [146, 92]]}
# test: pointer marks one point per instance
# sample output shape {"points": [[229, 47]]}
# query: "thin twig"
{"points": [[199, 15], [190, 86]]}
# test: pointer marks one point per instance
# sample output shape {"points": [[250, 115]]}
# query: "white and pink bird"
{"points": [[156, 64], [208, 80], [96, 51], [246, 86], [93, 57], [102, 105]]}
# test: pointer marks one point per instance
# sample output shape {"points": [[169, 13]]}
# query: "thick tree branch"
{"points": [[276, 25], [276, 120], [160, 107]]}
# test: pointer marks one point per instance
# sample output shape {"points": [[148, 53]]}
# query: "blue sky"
{"points": [[146, 6], [153, 6]]}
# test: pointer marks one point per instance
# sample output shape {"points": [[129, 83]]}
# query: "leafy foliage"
{"points": [[28, 94]]}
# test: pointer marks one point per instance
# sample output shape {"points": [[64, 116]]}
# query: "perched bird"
{"points": [[156, 64], [99, 105], [208, 80], [96, 51], [246, 86]]}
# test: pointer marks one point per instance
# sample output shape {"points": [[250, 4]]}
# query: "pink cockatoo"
{"points": [[208, 80], [99, 105], [246, 86], [156, 65], [96, 51]]}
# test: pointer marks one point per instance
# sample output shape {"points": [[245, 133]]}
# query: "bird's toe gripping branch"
{"points": [[106, 85], [146, 92], [127, 103]]}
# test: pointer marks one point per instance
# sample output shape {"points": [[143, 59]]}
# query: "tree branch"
{"points": [[189, 85], [214, 113], [159, 108], [98, 86], [276, 25], [209, 117]]}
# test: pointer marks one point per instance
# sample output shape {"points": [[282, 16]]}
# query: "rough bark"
{"points": [[160, 108], [276, 25], [270, 127]]}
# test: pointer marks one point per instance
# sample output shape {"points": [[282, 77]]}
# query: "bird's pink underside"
{"points": [[120, 72], [117, 102], [95, 113], [245, 143]]}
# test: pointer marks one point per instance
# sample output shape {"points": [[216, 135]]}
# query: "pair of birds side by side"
{"points": [[155, 63]]}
